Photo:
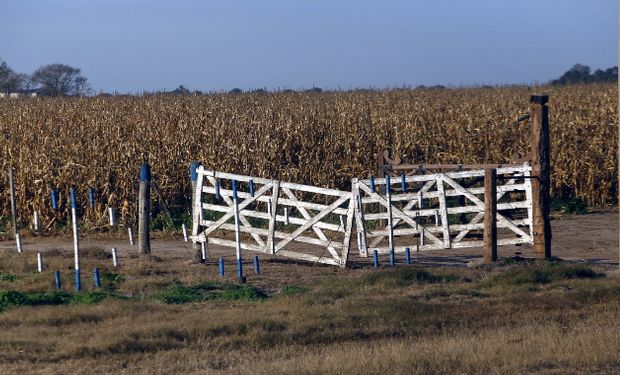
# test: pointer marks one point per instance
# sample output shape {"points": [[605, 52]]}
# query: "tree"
{"points": [[581, 74], [9, 80], [181, 91], [60, 80]]}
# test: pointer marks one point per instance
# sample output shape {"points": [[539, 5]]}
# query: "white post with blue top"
{"points": [[237, 231], [76, 240]]}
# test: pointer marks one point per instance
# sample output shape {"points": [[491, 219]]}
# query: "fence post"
{"points": [[144, 210], [112, 215], [114, 258], [39, 263], [13, 207], [76, 239], [130, 234], [197, 211], [57, 281], [91, 197], [35, 221], [18, 243], [96, 278], [193, 174], [390, 223], [490, 215], [203, 252], [184, 229], [54, 197], [541, 175], [237, 233]]}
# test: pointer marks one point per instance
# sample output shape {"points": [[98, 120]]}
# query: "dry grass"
{"points": [[322, 139], [526, 317]]}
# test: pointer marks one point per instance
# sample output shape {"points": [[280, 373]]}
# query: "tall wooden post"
{"points": [[144, 210], [541, 175], [490, 215], [13, 207], [196, 246]]}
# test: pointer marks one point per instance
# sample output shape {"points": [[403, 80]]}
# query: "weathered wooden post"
{"points": [[13, 207], [541, 175], [144, 210], [490, 215]]}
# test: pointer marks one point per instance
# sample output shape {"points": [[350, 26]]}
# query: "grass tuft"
{"points": [[11, 298], [288, 290], [8, 277], [206, 291], [401, 277], [541, 273]]}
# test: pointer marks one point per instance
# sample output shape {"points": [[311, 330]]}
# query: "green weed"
{"points": [[541, 273], [8, 277], [12, 298], [206, 291], [288, 290]]}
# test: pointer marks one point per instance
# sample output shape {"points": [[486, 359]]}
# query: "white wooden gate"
{"points": [[441, 211], [424, 212], [275, 217]]}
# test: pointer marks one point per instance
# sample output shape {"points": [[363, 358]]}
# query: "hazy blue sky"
{"points": [[124, 45]]}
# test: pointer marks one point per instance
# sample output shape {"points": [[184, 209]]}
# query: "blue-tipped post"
{"points": [[96, 278], [237, 234], [91, 197], [372, 183], [78, 281], [403, 183], [252, 188], [408, 255], [57, 281], [234, 189], [73, 200], [193, 175], [387, 185], [221, 267], [375, 258], [256, 265], [218, 196], [392, 258], [54, 196], [240, 268], [76, 239]]}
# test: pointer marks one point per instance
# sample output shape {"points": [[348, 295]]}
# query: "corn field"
{"points": [[322, 139]]}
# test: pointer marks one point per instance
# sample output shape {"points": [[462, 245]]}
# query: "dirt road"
{"points": [[591, 238]]}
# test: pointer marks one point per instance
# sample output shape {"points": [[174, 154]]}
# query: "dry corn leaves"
{"points": [[321, 139]]}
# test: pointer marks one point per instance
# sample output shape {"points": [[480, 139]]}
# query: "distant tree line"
{"points": [[581, 74], [48, 80]]}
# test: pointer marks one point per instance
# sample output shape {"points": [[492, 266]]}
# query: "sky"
{"points": [[208, 45]]}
